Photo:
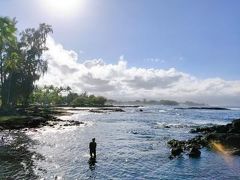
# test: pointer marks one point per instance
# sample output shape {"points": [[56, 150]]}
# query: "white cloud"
{"points": [[118, 81]]}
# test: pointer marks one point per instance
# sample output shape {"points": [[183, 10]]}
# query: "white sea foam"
{"points": [[162, 111]]}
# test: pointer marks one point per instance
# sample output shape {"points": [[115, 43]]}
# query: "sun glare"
{"points": [[64, 7]]}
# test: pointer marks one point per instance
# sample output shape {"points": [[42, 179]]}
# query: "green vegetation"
{"points": [[4, 119], [89, 101], [13, 122], [190, 103], [147, 102], [21, 61], [54, 96]]}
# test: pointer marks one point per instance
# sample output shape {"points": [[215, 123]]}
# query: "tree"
{"points": [[100, 100], [32, 45], [70, 97], [21, 63], [7, 42]]}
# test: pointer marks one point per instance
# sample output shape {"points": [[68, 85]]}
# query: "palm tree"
{"points": [[7, 40]]}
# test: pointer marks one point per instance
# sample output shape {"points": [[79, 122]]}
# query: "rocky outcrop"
{"points": [[190, 146], [34, 117], [72, 123], [20, 122], [228, 136], [105, 110]]}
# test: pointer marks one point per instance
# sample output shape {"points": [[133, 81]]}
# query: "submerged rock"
{"points": [[194, 152]]}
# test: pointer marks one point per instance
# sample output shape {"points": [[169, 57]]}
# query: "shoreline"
{"points": [[37, 117], [34, 118]]}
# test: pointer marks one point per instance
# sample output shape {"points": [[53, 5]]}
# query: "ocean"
{"points": [[130, 145]]}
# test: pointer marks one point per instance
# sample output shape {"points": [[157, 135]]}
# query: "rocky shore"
{"points": [[222, 138], [35, 118], [97, 109]]}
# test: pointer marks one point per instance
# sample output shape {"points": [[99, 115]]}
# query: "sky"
{"points": [[135, 49]]}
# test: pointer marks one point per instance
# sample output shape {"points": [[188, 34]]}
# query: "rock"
{"points": [[203, 130], [73, 123], [35, 121], [227, 135], [1, 128], [175, 143], [166, 126], [233, 141], [234, 131], [236, 152], [176, 151], [77, 123], [221, 129], [197, 142], [112, 109], [236, 124], [215, 137], [95, 111], [195, 152]]}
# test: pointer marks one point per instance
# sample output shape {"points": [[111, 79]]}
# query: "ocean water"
{"points": [[130, 145]]}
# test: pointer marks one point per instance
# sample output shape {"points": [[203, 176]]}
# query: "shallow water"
{"points": [[131, 145]]}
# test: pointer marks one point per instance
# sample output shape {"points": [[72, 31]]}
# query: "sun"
{"points": [[63, 7]]}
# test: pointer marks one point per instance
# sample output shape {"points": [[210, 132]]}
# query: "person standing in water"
{"points": [[92, 148]]}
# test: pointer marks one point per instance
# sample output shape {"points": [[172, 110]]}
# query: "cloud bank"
{"points": [[120, 82]]}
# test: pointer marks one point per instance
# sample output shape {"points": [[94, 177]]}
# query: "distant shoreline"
{"points": [[204, 108]]}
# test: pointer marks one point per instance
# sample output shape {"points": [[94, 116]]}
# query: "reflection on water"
{"points": [[92, 162], [16, 160], [131, 145]]}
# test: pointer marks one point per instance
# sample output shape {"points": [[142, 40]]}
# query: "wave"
{"points": [[162, 111], [145, 133], [235, 109], [161, 125]]}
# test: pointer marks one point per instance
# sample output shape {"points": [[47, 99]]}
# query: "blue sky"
{"points": [[134, 49], [198, 37]]}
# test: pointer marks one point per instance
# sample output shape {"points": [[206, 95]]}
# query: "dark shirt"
{"points": [[92, 146]]}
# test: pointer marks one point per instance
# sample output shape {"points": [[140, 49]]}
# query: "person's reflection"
{"points": [[91, 163]]}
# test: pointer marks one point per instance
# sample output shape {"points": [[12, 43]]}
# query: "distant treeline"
{"points": [[155, 102], [59, 96]]}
